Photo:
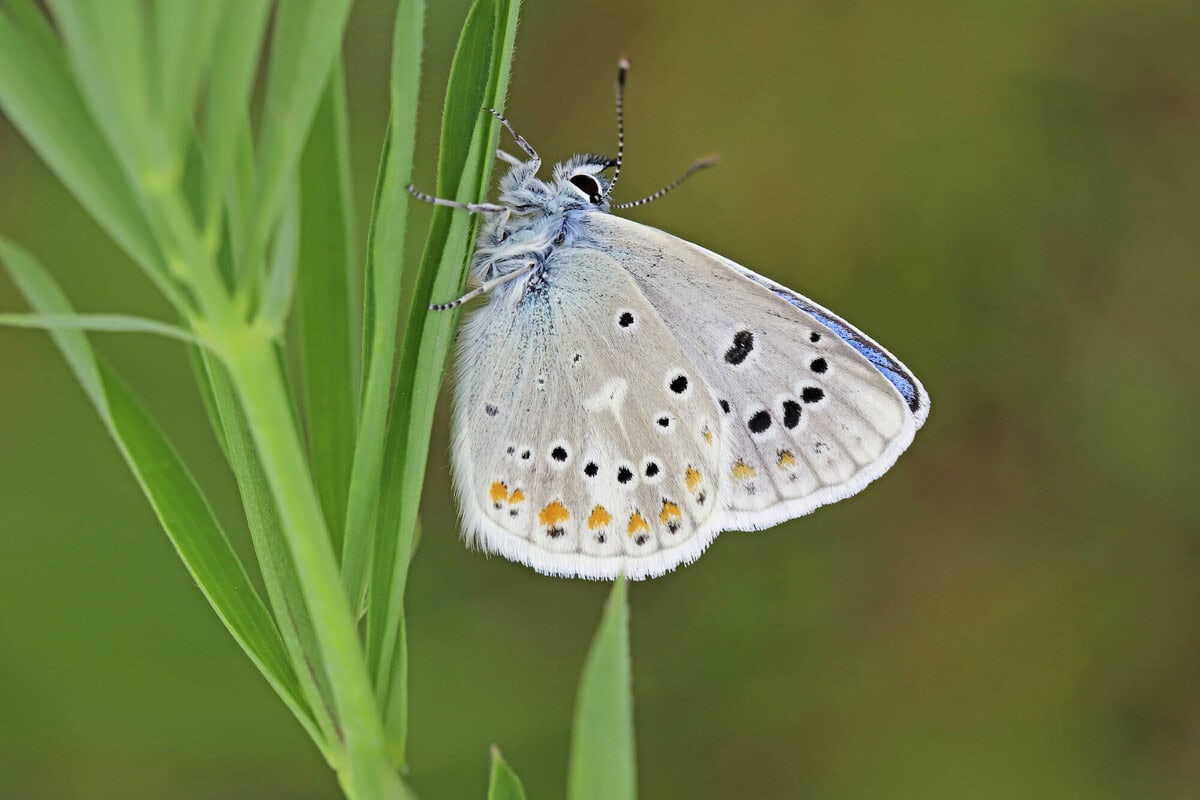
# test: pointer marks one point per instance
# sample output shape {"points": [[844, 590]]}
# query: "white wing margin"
{"points": [[814, 410]]}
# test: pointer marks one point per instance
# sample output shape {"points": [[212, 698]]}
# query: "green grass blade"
{"points": [[106, 43], [184, 38], [305, 42], [324, 311], [226, 106], [204, 548], [381, 295], [281, 272], [503, 783], [38, 94], [603, 760], [274, 559], [177, 499], [208, 397], [106, 323], [478, 79], [33, 23]]}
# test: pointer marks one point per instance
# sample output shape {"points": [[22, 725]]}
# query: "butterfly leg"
{"points": [[508, 158], [484, 288], [534, 158], [481, 208]]}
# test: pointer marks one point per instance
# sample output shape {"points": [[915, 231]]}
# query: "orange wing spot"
{"points": [[516, 497], [786, 458], [742, 471], [670, 511], [553, 514], [707, 434], [499, 492], [693, 478], [637, 523], [599, 518]]}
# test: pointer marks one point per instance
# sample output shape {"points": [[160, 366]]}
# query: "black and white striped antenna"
{"points": [[622, 72]]}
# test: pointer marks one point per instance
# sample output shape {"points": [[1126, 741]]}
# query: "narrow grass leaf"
{"points": [[178, 501], [603, 761], [381, 295], [324, 310], [227, 102], [38, 94], [478, 79], [106, 323], [274, 558], [281, 272], [33, 24], [204, 548], [306, 40], [207, 396], [183, 38], [106, 46], [503, 783]]}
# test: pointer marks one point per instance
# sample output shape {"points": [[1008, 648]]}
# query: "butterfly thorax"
{"points": [[543, 215]]}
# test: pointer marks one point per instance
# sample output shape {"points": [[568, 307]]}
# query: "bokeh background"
{"points": [[1006, 194]]}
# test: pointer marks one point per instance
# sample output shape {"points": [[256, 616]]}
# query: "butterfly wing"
{"points": [[813, 410], [586, 443]]}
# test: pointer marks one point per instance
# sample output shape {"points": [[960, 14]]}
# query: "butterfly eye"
{"points": [[588, 185]]}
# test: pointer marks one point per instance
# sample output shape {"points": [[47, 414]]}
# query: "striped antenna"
{"points": [[622, 72], [704, 163]]}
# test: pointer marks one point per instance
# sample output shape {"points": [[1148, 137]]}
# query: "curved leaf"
{"points": [[603, 761], [177, 499]]}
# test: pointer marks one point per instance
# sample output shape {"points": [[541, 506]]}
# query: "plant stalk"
{"points": [[363, 768]]}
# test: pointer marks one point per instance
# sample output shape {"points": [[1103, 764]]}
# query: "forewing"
{"points": [[812, 409], [586, 443]]}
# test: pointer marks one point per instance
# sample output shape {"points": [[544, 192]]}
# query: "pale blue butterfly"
{"points": [[627, 395]]}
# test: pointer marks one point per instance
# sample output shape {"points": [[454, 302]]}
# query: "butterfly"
{"points": [[626, 395]]}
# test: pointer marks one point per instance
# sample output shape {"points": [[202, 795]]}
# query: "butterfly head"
{"points": [[578, 184], [582, 178]]}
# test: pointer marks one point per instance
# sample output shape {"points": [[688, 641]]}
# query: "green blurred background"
{"points": [[1006, 194]]}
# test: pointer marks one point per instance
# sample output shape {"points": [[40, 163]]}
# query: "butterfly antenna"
{"points": [[704, 163], [622, 72]]}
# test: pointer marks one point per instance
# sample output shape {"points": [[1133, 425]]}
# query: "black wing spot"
{"points": [[664, 422], [725, 406], [525, 456], [559, 453], [760, 422], [812, 394], [679, 384], [651, 469], [641, 539], [743, 345], [814, 337], [791, 414], [511, 450], [625, 320], [818, 365], [591, 470], [555, 532], [624, 475], [491, 410]]}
